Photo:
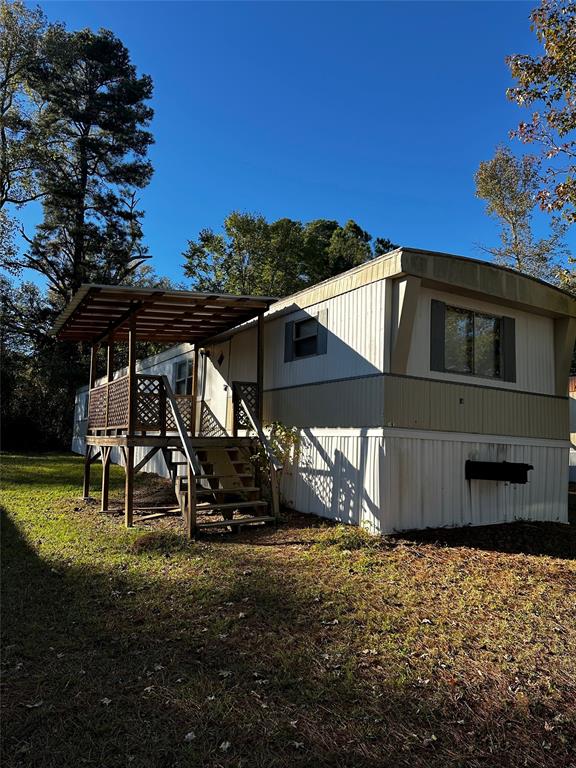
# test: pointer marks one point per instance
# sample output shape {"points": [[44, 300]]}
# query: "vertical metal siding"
{"points": [[393, 483]]}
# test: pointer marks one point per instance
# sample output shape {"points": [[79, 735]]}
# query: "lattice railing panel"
{"points": [[118, 403], [97, 407], [248, 391], [148, 409], [184, 403], [209, 424]]}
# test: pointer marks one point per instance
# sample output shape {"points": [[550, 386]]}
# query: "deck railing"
{"points": [[109, 404]]}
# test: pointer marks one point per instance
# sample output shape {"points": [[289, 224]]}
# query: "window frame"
{"points": [[296, 338], [506, 342], [187, 378], [292, 337]]}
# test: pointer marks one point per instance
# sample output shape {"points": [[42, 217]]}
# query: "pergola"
{"points": [[132, 410]]}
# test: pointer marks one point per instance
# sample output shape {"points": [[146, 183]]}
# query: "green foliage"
{"points": [[253, 256], [73, 124], [548, 83], [509, 186], [92, 128], [21, 30]]}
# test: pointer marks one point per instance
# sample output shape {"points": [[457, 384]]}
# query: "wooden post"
{"points": [[110, 360], [132, 395], [87, 465], [260, 368], [194, 389], [129, 487], [191, 503], [88, 451], [105, 477], [132, 383]]}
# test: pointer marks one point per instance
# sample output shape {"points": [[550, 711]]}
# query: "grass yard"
{"points": [[309, 645]]}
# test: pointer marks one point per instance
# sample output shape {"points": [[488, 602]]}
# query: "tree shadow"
{"points": [[522, 538]]}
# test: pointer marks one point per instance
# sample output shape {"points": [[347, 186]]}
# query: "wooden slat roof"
{"points": [[98, 311]]}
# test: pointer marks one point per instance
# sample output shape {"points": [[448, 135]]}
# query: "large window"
{"points": [[467, 342], [472, 342], [183, 377]]}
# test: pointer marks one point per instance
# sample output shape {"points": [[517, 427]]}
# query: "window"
{"points": [[472, 343], [84, 405], [306, 337], [183, 378]]}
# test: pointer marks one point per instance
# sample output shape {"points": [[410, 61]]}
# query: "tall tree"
{"points": [[252, 256], [21, 29], [21, 32], [92, 143], [80, 128], [509, 187], [548, 84]]}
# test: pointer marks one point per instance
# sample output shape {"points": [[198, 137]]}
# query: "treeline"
{"points": [[74, 116], [74, 138]]}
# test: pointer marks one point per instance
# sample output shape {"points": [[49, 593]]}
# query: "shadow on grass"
{"points": [[228, 666], [528, 538]]}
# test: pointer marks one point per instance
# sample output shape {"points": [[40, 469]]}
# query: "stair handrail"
{"points": [[274, 462], [181, 428]]}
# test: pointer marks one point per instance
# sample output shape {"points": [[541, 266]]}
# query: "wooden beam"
{"points": [[132, 382], [194, 390], [129, 487], [87, 465], [93, 364], [146, 458], [116, 324], [260, 367], [105, 453], [110, 360]]}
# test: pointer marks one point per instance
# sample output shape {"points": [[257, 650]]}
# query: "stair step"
{"points": [[238, 521], [232, 505], [239, 489], [222, 477]]}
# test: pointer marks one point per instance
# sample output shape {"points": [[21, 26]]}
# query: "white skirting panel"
{"points": [[392, 480]]}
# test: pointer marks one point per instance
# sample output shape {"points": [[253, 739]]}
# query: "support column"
{"points": [[260, 368], [87, 465], [190, 503], [195, 389], [129, 487], [129, 454], [105, 477], [88, 449]]}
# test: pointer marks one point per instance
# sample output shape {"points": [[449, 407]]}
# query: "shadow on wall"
{"points": [[340, 490]]}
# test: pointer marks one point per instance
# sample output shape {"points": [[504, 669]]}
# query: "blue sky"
{"points": [[378, 112]]}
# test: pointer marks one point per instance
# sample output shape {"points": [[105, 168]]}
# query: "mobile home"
{"points": [[426, 390]]}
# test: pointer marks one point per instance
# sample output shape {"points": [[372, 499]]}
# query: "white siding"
{"points": [[405, 479], [534, 345]]}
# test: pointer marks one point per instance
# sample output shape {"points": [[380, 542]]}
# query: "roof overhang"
{"points": [[98, 313]]}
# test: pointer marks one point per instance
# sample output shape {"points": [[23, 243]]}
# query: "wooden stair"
{"points": [[226, 489]]}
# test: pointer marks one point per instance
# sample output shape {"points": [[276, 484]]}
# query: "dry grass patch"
{"points": [[310, 645]]}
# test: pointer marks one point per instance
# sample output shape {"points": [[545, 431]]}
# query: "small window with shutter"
{"points": [[472, 343], [306, 337]]}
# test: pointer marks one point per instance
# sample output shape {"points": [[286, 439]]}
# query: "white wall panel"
{"points": [[393, 483]]}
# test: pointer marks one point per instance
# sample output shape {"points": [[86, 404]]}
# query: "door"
{"points": [[217, 388]]}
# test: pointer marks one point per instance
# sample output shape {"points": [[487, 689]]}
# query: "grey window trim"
{"points": [[320, 334], [438, 342]]}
